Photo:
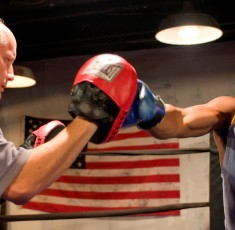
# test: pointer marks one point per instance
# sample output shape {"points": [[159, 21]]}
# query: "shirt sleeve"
{"points": [[12, 160]]}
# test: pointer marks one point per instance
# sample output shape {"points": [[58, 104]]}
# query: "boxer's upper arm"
{"points": [[195, 120]]}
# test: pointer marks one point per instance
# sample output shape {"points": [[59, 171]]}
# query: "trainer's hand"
{"points": [[103, 92], [147, 109], [43, 134]]}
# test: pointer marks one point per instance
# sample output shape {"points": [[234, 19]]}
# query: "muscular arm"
{"points": [[48, 161], [195, 120]]}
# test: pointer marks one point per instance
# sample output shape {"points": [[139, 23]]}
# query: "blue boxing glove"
{"points": [[147, 109]]}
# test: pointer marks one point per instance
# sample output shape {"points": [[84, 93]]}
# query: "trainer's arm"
{"points": [[48, 161], [195, 120]]}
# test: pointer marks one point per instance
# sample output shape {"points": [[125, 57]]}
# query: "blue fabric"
{"points": [[228, 175]]}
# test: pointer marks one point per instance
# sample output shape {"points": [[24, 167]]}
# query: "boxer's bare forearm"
{"points": [[48, 161], [188, 122]]}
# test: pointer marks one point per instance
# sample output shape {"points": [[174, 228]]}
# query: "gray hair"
{"points": [[2, 38]]}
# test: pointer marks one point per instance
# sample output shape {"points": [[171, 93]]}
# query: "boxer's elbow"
{"points": [[19, 196]]}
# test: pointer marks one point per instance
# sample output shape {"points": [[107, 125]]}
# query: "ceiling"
{"points": [[58, 28]]}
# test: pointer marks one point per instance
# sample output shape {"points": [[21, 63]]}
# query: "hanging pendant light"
{"points": [[23, 77], [188, 28]]}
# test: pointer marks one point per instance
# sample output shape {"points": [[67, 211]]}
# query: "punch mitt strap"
{"points": [[43, 134]]}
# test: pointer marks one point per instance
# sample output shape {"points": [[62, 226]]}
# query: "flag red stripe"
{"points": [[138, 147], [133, 164], [120, 180], [49, 207], [112, 195]]}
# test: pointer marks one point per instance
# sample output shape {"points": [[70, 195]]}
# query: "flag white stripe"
{"points": [[141, 141], [126, 158], [122, 172], [105, 203], [116, 187]]}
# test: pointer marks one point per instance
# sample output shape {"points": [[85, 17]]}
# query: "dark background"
{"points": [[58, 28]]}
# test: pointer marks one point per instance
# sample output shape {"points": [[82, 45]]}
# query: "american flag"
{"points": [[125, 173]]}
